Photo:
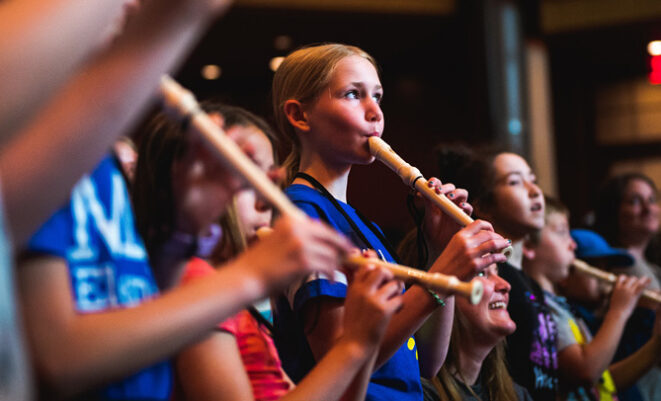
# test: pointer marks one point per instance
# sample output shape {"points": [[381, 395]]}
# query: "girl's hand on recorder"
{"points": [[373, 296], [293, 250], [439, 227], [470, 251]]}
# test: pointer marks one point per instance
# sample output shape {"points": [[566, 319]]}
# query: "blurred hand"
{"points": [[295, 249], [373, 296]]}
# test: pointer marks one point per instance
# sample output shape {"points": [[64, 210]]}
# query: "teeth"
{"points": [[497, 305]]}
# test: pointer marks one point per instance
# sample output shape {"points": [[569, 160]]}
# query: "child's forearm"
{"points": [[433, 339], [74, 352], [418, 306], [586, 363], [343, 372]]}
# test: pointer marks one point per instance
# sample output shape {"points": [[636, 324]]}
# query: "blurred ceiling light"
{"points": [[654, 48], [282, 42], [275, 63], [211, 71]]}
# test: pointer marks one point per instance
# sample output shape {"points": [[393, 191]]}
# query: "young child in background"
{"points": [[327, 104], [238, 361], [588, 298], [585, 363]]}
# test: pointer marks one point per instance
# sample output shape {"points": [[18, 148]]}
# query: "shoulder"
{"points": [[56, 234], [311, 201]]}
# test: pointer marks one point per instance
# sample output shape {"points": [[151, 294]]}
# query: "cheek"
{"points": [[245, 206], [509, 204]]}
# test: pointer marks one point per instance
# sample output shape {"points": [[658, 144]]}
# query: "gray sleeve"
{"points": [[562, 318]]}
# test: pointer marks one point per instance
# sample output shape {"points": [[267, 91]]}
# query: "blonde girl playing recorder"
{"points": [[326, 104]]}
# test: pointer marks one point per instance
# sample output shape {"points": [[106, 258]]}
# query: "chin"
{"points": [[506, 328]]}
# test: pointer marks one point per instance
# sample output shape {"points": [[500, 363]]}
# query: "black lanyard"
{"points": [[377, 233]]}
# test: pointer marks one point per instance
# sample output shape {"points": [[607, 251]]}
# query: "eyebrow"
{"points": [[363, 84], [515, 172]]}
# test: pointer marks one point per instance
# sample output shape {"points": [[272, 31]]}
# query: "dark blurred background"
{"points": [[566, 83]]}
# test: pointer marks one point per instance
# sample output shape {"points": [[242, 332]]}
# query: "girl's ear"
{"points": [[297, 117]]}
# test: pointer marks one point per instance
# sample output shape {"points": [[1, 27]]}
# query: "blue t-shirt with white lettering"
{"points": [[108, 266], [399, 377]]}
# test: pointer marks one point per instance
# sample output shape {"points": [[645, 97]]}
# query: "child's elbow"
{"points": [[586, 376]]}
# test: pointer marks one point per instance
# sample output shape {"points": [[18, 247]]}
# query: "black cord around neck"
{"points": [[377, 233]]}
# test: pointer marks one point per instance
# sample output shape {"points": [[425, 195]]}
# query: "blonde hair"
{"points": [[302, 75]]}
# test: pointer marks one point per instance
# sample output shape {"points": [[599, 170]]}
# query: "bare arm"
{"points": [[93, 109], [212, 370], [74, 352], [627, 371], [41, 45], [343, 372], [436, 331], [463, 256], [580, 364]]}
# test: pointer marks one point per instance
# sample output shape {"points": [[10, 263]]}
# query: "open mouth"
{"points": [[536, 207], [498, 305]]}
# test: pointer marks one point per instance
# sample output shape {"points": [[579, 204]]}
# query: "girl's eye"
{"points": [[513, 182], [352, 94], [377, 97], [483, 273]]}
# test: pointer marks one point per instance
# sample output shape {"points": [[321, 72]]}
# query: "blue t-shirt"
{"points": [[107, 260], [399, 377]]}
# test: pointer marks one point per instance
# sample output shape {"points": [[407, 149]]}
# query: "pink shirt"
{"points": [[258, 353]]}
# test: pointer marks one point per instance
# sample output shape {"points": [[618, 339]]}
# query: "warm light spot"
{"points": [[275, 63], [654, 48], [211, 72], [282, 42]]}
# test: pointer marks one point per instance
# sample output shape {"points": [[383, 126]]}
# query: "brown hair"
{"points": [[611, 197], [493, 374], [302, 75], [164, 143]]}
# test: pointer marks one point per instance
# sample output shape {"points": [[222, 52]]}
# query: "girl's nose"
{"points": [[373, 112]]}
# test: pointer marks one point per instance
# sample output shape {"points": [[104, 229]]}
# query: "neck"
{"points": [[635, 243], [333, 177], [637, 250], [536, 273], [471, 356]]}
